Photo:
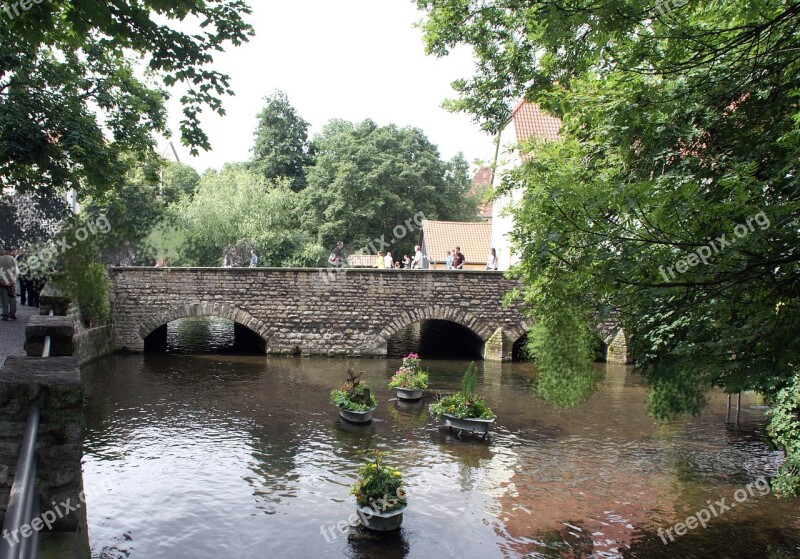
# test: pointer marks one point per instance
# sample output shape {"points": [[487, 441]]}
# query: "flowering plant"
{"points": [[354, 394], [410, 375], [465, 404], [379, 484]]}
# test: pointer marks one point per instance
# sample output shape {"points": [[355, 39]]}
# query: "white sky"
{"points": [[352, 59]]}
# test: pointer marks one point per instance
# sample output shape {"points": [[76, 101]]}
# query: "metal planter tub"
{"points": [[356, 416], [409, 394], [471, 425], [381, 521]]}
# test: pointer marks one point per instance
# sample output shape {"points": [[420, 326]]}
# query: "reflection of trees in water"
{"points": [[409, 415], [726, 537], [572, 542], [204, 335]]}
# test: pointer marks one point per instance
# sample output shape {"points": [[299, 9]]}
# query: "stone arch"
{"points": [[484, 330], [219, 310], [436, 312]]}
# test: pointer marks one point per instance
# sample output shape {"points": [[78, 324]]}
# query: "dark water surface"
{"points": [[244, 457]]}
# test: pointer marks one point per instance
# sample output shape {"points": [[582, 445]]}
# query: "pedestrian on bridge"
{"points": [[8, 285], [336, 258]]}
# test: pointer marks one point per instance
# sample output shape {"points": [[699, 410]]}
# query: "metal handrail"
{"points": [[22, 503], [46, 345]]}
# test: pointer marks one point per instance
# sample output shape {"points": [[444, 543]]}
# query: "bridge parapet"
{"points": [[315, 311]]}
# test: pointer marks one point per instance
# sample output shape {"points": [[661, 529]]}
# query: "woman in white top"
{"points": [[491, 262], [417, 262]]}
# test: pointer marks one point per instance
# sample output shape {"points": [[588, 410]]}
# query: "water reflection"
{"points": [[243, 456]]}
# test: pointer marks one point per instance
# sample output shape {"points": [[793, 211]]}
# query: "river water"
{"points": [[243, 456]]}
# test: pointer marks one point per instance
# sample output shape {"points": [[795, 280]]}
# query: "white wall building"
{"points": [[527, 121]]}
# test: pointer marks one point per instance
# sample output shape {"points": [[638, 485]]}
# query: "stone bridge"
{"points": [[352, 312]]}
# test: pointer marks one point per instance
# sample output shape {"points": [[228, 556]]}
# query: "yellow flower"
{"points": [[397, 473]]}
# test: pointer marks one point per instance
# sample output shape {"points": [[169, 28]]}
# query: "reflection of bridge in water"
{"points": [[305, 311]]}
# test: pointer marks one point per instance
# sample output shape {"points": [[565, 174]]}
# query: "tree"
{"points": [[27, 219], [236, 208], [133, 210], [281, 148], [672, 194], [178, 181], [369, 179], [72, 107]]}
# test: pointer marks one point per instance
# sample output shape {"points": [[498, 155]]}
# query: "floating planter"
{"points": [[409, 395], [356, 416], [409, 381], [380, 495], [465, 411], [354, 399], [474, 425]]}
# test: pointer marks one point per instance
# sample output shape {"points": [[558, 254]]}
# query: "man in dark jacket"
{"points": [[458, 259]]}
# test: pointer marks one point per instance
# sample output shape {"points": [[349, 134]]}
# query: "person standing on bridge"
{"points": [[389, 261], [417, 262], [458, 259], [8, 285], [336, 258], [491, 262], [381, 262], [253, 259]]}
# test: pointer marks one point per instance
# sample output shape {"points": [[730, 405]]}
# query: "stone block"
{"points": [[60, 329]]}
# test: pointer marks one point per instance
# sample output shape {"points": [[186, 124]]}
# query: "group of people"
{"points": [[234, 260], [11, 279], [455, 259], [387, 261]]}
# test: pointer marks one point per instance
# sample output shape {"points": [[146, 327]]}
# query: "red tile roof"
{"points": [[530, 121], [362, 261], [474, 238], [480, 183]]}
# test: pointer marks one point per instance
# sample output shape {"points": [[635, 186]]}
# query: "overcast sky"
{"points": [[352, 59]]}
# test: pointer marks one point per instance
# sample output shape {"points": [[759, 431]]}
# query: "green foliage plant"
{"points": [[379, 486], [670, 193], [352, 395], [784, 430], [563, 350], [96, 77], [464, 404], [410, 375]]}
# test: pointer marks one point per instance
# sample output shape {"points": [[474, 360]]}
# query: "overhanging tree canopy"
{"points": [[71, 103], [681, 126]]}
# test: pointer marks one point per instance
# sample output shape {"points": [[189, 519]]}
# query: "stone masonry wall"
{"points": [[315, 312]]}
